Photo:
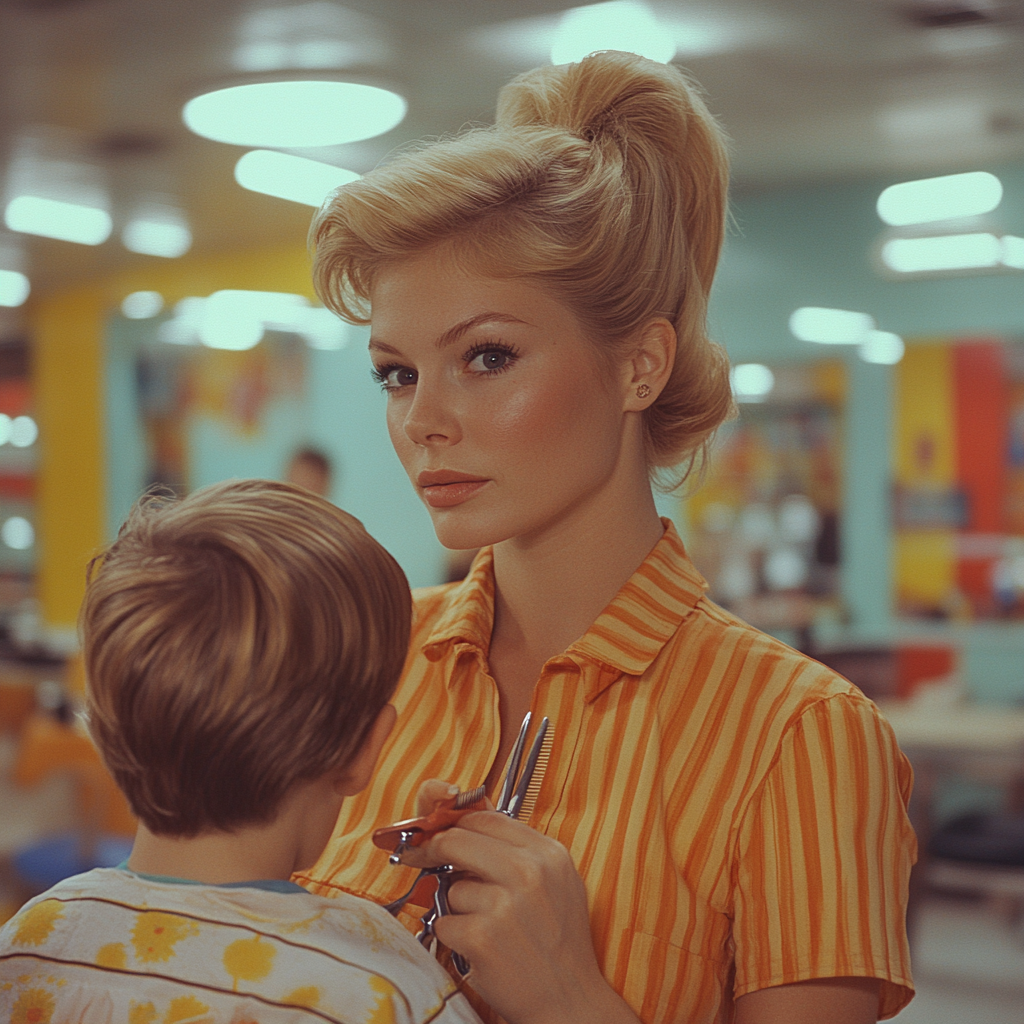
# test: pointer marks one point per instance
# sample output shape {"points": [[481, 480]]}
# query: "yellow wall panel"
{"points": [[67, 362], [925, 566], [924, 432]]}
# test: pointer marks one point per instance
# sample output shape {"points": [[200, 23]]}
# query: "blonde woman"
{"points": [[721, 831]]}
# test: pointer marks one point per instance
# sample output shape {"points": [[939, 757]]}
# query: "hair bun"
{"points": [[607, 95]]}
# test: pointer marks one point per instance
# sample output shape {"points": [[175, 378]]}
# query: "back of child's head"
{"points": [[237, 642]]}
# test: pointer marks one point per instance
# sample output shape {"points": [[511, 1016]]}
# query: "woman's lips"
{"points": [[445, 495]]}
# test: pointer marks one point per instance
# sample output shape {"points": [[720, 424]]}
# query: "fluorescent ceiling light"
{"points": [[1013, 252], [290, 177], [830, 326], [142, 305], [882, 347], [294, 114], [972, 251], [618, 25], [751, 382], [931, 199], [157, 237], [14, 288], [17, 533], [236, 319], [23, 432], [52, 218], [314, 54]]}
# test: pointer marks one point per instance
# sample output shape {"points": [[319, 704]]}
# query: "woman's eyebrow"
{"points": [[452, 335]]}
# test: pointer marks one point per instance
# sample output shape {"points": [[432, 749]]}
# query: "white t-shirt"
{"points": [[112, 946]]}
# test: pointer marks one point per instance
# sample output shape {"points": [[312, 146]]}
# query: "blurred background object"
{"points": [[158, 326], [311, 469]]}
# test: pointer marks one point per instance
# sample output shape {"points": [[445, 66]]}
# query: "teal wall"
{"points": [[813, 246], [342, 414]]}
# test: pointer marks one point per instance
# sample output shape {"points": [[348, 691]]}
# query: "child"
{"points": [[241, 647]]}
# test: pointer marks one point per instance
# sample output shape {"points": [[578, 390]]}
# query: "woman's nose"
{"points": [[431, 418]]}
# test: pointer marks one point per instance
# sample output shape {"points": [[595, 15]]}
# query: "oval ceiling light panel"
{"points": [[617, 25], [1013, 252], [294, 114], [157, 237], [142, 305], [931, 199], [882, 347], [974, 251], [14, 288], [752, 382], [52, 218], [290, 177], [830, 326]]}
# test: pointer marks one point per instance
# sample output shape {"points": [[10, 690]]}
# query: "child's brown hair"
{"points": [[237, 642]]}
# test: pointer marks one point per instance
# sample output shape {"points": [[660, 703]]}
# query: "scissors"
{"points": [[405, 835]]}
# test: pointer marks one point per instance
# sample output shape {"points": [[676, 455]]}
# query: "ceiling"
{"points": [[809, 90]]}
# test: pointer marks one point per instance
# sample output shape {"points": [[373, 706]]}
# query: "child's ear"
{"points": [[356, 775]]}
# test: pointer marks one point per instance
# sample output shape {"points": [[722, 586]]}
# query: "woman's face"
{"points": [[503, 413]]}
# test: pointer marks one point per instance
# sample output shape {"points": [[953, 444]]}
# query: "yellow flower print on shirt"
{"points": [[156, 933], [141, 1013], [249, 960], [34, 1006], [112, 955], [307, 996], [185, 1008], [384, 1011], [36, 923]]}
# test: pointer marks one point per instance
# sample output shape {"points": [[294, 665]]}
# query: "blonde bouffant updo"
{"points": [[606, 181]]}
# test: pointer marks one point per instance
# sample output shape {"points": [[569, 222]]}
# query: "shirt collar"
{"points": [[626, 637]]}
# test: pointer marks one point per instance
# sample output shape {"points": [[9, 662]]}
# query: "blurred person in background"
{"points": [[721, 830], [310, 468]]}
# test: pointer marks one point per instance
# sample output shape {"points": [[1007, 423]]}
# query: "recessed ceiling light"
{"points": [[751, 382], [618, 25], [931, 199], [24, 432], [1013, 252], [290, 177], [52, 218], [142, 305], [972, 251], [882, 347], [294, 114], [14, 288], [830, 326], [17, 533], [157, 237]]}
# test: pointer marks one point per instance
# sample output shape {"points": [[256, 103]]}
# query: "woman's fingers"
{"points": [[432, 792]]}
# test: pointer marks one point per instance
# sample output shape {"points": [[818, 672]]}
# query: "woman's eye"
{"points": [[391, 378], [491, 360]]}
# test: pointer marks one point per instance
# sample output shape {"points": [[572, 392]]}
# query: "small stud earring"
{"points": [[643, 391]]}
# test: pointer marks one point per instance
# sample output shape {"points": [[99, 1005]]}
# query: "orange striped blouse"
{"points": [[736, 810]]}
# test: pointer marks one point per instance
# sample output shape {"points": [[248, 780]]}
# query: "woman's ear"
{"points": [[356, 775], [650, 365]]}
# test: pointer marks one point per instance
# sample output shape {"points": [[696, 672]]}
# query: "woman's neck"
{"points": [[549, 589]]}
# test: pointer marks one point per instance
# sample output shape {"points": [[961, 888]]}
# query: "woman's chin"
{"points": [[459, 532]]}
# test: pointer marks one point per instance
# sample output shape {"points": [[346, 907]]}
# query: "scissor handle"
{"points": [[416, 831]]}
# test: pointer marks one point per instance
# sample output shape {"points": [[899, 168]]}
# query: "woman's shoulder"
{"points": [[739, 667]]}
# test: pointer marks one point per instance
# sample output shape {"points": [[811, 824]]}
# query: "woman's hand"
{"points": [[520, 918]]}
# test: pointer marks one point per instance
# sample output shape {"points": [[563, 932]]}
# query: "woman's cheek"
{"points": [[527, 415]]}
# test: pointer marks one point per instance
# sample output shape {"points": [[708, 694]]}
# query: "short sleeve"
{"points": [[824, 856]]}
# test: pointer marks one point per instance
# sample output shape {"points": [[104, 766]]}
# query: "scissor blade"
{"points": [[509, 785], [516, 803]]}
